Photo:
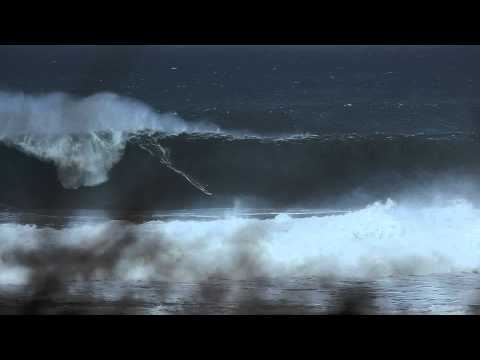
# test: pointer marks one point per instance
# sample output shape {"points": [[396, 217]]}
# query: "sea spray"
{"points": [[380, 240]]}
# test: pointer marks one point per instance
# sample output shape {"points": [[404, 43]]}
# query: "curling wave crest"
{"points": [[84, 137]]}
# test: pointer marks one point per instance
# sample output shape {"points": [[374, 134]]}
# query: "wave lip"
{"points": [[60, 113]]}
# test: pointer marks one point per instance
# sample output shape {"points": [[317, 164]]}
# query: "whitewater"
{"points": [[381, 240]]}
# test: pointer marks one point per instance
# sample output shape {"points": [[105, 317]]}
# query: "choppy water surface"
{"points": [[436, 294]]}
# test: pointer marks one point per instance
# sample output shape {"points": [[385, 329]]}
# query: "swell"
{"points": [[278, 171]]}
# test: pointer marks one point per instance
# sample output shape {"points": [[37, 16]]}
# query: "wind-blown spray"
{"points": [[86, 137]]}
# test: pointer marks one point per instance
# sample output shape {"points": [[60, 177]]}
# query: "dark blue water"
{"points": [[269, 88]]}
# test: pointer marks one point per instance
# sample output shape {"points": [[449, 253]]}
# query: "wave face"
{"points": [[383, 239], [141, 169]]}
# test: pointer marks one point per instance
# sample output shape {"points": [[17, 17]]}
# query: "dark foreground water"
{"points": [[436, 294]]}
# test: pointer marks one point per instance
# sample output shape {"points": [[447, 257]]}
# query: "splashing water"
{"points": [[381, 240], [85, 138]]}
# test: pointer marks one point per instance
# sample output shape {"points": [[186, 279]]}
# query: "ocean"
{"points": [[239, 179]]}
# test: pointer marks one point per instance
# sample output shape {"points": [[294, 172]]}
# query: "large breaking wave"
{"points": [[85, 137], [113, 151]]}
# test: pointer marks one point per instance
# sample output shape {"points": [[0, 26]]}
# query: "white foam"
{"points": [[81, 160], [383, 239]]}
